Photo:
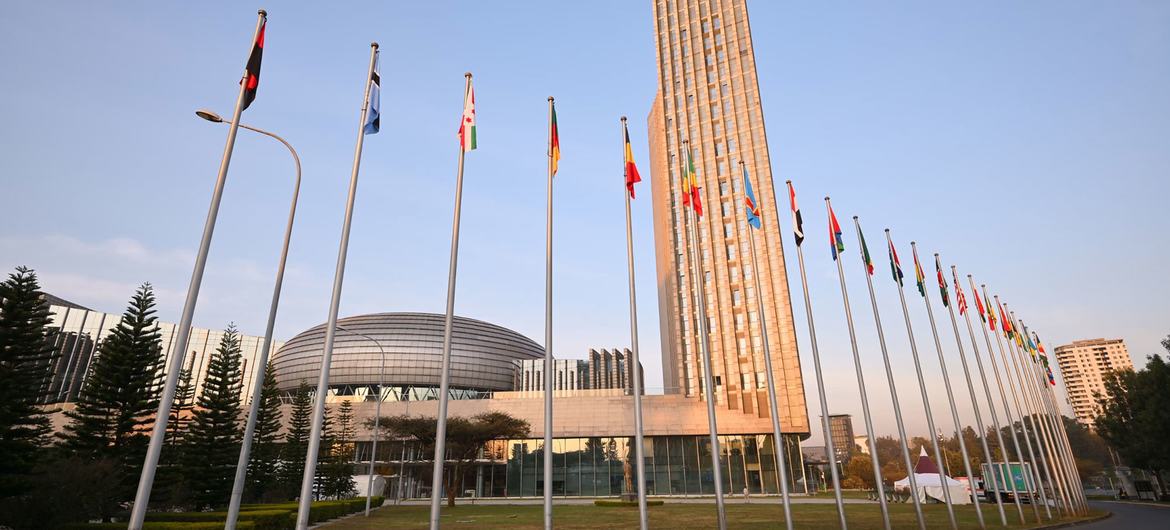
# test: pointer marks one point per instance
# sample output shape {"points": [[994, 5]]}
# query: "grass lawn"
{"points": [[670, 516]]}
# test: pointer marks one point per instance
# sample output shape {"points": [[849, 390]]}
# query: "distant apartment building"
{"points": [[841, 431], [78, 334], [610, 369], [1084, 364], [567, 374]]}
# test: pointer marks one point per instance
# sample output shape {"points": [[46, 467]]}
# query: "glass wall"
{"points": [[606, 466]]}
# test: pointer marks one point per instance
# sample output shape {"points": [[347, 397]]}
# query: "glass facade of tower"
{"points": [[709, 97]]}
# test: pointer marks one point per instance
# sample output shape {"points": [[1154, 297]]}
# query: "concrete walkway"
{"points": [[1131, 516]]}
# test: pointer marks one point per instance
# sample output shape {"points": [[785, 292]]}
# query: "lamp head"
{"points": [[209, 115]]}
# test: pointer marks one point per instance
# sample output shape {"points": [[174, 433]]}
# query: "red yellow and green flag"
{"points": [[554, 140], [631, 170], [865, 253], [919, 276], [942, 282], [690, 187], [979, 305]]}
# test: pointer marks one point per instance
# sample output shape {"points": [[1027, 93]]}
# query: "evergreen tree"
{"points": [[296, 441], [264, 463], [25, 352], [213, 442], [337, 465], [116, 406], [180, 418]]}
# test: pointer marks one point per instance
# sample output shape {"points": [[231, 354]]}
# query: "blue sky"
{"points": [[1027, 142]]}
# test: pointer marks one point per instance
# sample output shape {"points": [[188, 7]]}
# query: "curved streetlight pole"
{"points": [[258, 381], [377, 414]]}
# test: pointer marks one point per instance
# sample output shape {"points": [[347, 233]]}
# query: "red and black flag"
{"points": [[251, 79]]}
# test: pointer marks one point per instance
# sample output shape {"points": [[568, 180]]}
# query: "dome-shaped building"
{"points": [[482, 356]]}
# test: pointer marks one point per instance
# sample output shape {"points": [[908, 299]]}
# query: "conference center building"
{"points": [[397, 357]]}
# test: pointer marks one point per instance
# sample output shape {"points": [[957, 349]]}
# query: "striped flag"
{"points": [[919, 276], [631, 169], [942, 282], [895, 265], [690, 188], [979, 306], [865, 253], [960, 299], [797, 222], [554, 140], [373, 115], [467, 138], [991, 318], [835, 241], [251, 79]]}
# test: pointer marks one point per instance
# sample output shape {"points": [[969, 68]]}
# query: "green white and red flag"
{"points": [[467, 140]]}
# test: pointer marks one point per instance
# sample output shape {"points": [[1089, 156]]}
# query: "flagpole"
{"points": [[1075, 486], [1056, 470], [829, 450], [639, 450], [448, 325], [262, 360], [942, 362], [905, 442], [974, 400], [306, 496], [873, 455], [548, 334], [705, 352], [773, 407], [1049, 417], [1021, 409], [925, 398], [1006, 410], [1046, 422], [997, 477], [183, 333]]}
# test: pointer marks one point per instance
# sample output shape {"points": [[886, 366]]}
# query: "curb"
{"points": [[1067, 524]]}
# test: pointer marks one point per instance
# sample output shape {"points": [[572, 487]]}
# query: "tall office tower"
{"points": [[708, 94], [1084, 365]]}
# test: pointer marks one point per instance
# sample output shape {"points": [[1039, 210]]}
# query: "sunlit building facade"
{"points": [[708, 95], [1085, 365]]}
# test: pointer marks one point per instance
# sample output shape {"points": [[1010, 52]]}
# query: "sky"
{"points": [[1028, 143]]}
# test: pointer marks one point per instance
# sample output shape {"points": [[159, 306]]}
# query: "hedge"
{"points": [[602, 502], [167, 525], [271, 519]]}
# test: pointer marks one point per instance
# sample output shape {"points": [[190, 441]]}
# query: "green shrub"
{"points": [[271, 519], [164, 525], [613, 503]]}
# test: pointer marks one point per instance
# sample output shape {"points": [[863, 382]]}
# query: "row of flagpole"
{"points": [[1036, 409]]}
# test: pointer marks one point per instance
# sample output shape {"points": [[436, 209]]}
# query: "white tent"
{"points": [[930, 483], [929, 486]]}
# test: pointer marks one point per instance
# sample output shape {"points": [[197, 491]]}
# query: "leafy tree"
{"points": [[1090, 450], [858, 473], [466, 438], [25, 352], [296, 441], [213, 443], [1133, 415], [116, 406], [264, 464]]}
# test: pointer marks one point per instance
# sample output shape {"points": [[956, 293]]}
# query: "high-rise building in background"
{"points": [[568, 374], [1084, 365], [841, 430], [708, 94]]}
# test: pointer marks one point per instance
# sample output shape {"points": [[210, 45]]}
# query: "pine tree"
{"points": [[296, 441], [25, 352], [264, 463], [117, 404], [180, 418], [337, 465], [212, 447]]}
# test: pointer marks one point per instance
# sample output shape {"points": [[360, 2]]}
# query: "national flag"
{"points": [[919, 276], [797, 222], [632, 175], [1039, 345], [690, 188], [895, 265], [979, 305], [865, 253], [467, 137], [991, 318], [251, 79], [554, 140], [749, 201], [373, 116], [942, 282], [960, 299], [1007, 326], [835, 241]]}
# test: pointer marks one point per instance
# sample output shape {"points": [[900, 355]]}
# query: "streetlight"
{"points": [[377, 415], [258, 381]]}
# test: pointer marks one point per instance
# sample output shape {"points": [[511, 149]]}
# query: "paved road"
{"points": [[1131, 516]]}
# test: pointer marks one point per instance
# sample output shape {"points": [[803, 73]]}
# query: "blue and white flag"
{"points": [[373, 121]]}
